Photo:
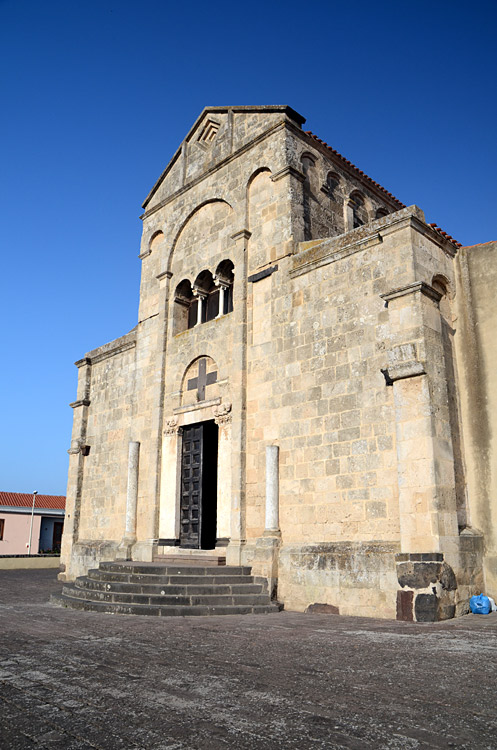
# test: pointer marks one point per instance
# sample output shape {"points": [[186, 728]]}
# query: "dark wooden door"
{"points": [[198, 502], [57, 534]]}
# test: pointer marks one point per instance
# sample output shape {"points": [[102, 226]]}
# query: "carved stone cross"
{"points": [[202, 380]]}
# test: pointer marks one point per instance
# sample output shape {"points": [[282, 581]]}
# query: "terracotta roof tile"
{"points": [[359, 171], [376, 184], [25, 500]]}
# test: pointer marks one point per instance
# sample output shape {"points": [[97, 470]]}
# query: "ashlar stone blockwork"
{"points": [[294, 309]]}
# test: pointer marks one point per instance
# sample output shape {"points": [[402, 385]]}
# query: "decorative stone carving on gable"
{"points": [[208, 133]]}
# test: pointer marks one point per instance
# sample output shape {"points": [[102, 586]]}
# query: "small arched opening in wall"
{"points": [[380, 213], [156, 239], [185, 307], [259, 189], [223, 279], [331, 186], [307, 161]]}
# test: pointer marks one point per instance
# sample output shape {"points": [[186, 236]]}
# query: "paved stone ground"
{"points": [[74, 681]]}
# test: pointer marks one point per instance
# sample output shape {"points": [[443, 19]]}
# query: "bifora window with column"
{"points": [[210, 296]]}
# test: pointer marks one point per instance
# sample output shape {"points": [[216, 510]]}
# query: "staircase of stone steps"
{"points": [[168, 590]]}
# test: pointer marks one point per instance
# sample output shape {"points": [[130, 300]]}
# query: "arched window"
{"points": [[185, 307], [307, 160], [223, 279], [380, 213], [207, 295], [331, 186], [359, 214]]}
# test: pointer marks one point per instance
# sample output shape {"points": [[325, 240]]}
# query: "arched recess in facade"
{"points": [[199, 381], [196, 216], [260, 195]]}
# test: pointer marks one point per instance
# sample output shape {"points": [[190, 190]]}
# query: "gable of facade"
{"points": [[291, 391]]}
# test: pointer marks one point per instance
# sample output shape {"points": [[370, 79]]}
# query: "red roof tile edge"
{"points": [[25, 500], [377, 185]]}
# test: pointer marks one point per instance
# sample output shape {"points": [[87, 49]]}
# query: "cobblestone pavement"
{"points": [[76, 680]]}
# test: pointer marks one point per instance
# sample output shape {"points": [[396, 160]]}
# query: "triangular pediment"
{"points": [[216, 133]]}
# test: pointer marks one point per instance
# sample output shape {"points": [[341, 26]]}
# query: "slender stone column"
{"points": [[267, 547], [201, 296], [129, 538], [132, 493], [222, 291], [272, 488]]}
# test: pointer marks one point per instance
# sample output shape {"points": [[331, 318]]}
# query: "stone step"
{"points": [[190, 557], [179, 580], [174, 569], [169, 611], [240, 587], [167, 599], [168, 590]]}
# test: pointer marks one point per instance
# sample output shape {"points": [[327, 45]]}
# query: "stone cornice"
{"points": [[199, 405], [80, 402], [404, 370], [110, 350], [286, 171], [83, 362], [416, 286], [164, 275], [334, 253], [242, 234]]}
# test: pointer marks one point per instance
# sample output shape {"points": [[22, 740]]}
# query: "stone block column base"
{"points": [[428, 587], [144, 551], [125, 549], [234, 552], [266, 559]]}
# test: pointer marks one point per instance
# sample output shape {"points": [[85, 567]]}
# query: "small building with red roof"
{"points": [[22, 523]]}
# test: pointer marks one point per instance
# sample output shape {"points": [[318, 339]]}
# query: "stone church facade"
{"points": [[309, 388]]}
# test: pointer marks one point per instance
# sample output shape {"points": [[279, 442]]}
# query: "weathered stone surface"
{"points": [[426, 608], [322, 609], [418, 575]]}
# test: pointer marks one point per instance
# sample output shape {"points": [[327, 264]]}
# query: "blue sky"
{"points": [[96, 97]]}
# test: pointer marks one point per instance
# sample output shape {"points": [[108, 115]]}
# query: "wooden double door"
{"points": [[198, 501]]}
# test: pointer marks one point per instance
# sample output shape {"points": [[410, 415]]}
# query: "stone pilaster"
{"points": [[77, 453], [425, 461], [238, 389]]}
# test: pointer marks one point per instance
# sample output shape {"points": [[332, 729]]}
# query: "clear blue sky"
{"points": [[96, 97]]}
